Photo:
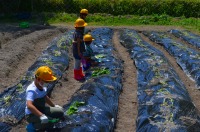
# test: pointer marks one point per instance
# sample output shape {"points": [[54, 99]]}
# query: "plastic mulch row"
{"points": [[163, 101], [189, 37], [187, 58], [94, 106], [4, 127], [12, 100]]}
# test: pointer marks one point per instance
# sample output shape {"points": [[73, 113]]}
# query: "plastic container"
{"points": [[24, 25]]}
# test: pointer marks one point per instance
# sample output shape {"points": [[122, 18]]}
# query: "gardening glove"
{"points": [[44, 119], [58, 106]]}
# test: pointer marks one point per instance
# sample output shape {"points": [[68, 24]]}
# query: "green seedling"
{"points": [[70, 42], [28, 78], [57, 53], [163, 91], [187, 34], [180, 46], [163, 82], [64, 47], [6, 99], [197, 56], [48, 62], [60, 41], [156, 71], [72, 110], [100, 71], [100, 56], [20, 88], [74, 107], [163, 36]]}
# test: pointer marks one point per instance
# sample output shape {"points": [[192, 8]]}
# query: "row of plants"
{"points": [[13, 99], [163, 101], [187, 58], [94, 106], [187, 8], [189, 37]]}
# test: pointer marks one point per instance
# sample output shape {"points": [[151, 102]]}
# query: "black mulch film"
{"points": [[163, 101], [187, 58], [189, 37], [12, 100], [4, 127], [94, 106]]}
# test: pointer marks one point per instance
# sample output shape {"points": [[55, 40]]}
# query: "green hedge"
{"points": [[187, 8]]}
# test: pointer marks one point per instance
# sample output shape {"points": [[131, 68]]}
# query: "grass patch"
{"points": [[129, 20], [102, 19]]}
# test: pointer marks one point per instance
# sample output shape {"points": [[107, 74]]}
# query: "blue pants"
{"points": [[77, 64]]}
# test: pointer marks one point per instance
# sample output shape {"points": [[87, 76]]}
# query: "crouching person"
{"points": [[88, 56], [37, 113]]}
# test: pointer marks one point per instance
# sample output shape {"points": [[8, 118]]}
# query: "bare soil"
{"points": [[21, 47]]}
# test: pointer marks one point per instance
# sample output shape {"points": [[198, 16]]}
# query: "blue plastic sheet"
{"points": [[100, 94], [187, 58], [163, 101], [12, 100], [189, 37]]}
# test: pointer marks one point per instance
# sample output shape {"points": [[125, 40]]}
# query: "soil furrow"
{"points": [[127, 111]]}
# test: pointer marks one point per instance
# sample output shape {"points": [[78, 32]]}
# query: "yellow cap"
{"points": [[80, 23], [88, 37], [84, 11], [45, 73]]}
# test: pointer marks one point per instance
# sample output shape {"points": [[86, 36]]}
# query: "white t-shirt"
{"points": [[32, 93]]}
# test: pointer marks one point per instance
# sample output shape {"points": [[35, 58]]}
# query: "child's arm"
{"points": [[33, 109]]}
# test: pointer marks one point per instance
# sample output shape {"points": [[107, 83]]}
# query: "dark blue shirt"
{"points": [[78, 34]]}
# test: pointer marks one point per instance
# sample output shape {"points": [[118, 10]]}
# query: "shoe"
{"points": [[77, 75]]}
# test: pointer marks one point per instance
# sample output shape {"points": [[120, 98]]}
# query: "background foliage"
{"points": [[176, 8]]}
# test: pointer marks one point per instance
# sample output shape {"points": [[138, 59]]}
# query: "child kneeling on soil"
{"points": [[37, 113], [88, 55]]}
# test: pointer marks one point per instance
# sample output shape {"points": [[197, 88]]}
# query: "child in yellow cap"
{"points": [[37, 113], [87, 60], [83, 13]]}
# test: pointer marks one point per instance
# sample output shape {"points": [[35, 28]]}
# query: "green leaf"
{"points": [[74, 107]]}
